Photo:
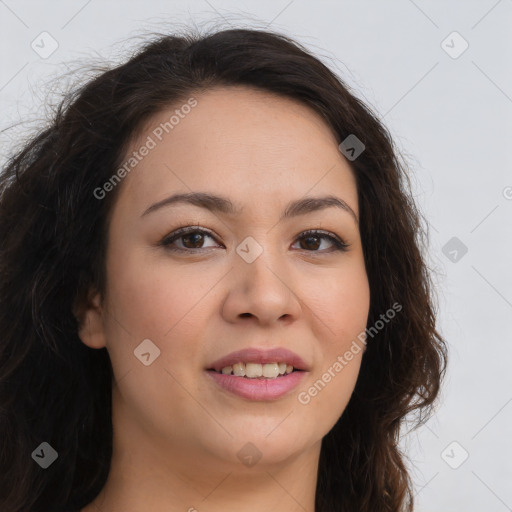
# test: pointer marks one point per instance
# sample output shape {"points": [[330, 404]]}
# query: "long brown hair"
{"points": [[53, 238]]}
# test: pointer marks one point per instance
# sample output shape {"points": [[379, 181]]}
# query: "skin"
{"points": [[176, 433]]}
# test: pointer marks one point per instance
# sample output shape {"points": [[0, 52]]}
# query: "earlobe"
{"points": [[91, 330]]}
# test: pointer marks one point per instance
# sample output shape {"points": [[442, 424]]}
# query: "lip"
{"points": [[261, 356], [259, 389]]}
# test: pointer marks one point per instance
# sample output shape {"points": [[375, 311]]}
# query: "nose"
{"points": [[263, 291]]}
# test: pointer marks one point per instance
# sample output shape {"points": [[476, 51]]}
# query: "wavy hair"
{"points": [[53, 235]]}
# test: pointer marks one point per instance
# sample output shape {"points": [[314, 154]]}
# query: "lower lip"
{"points": [[258, 389]]}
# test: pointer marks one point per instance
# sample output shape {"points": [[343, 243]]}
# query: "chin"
{"points": [[263, 447]]}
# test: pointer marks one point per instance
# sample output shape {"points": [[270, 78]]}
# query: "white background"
{"points": [[452, 119]]}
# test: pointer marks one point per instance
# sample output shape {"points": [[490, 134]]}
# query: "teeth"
{"points": [[239, 369], [255, 370], [270, 370]]}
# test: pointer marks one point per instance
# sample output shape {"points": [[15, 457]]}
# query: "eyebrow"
{"points": [[224, 205]]}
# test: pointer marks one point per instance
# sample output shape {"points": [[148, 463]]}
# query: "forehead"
{"points": [[240, 142]]}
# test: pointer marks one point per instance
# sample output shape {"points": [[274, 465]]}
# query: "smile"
{"points": [[256, 370]]}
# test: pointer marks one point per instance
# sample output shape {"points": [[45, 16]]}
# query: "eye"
{"points": [[192, 239], [314, 237]]}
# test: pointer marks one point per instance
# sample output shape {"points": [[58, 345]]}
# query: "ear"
{"points": [[91, 325]]}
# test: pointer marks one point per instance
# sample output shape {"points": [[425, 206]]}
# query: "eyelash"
{"points": [[339, 244]]}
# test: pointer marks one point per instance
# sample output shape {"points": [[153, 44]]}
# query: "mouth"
{"points": [[258, 370], [256, 374], [255, 362]]}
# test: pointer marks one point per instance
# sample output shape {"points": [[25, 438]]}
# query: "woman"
{"points": [[212, 291]]}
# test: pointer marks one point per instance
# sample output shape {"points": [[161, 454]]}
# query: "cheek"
{"points": [[155, 295], [168, 305], [341, 305], [340, 302], [158, 300]]}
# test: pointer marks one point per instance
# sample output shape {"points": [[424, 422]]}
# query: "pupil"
{"points": [[193, 235], [312, 238]]}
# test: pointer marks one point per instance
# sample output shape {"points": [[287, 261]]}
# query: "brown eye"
{"points": [[311, 241], [195, 239], [191, 239]]}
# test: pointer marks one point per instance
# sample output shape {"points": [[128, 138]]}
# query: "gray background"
{"points": [[451, 117]]}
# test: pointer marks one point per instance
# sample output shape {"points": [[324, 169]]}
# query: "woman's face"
{"points": [[246, 281]]}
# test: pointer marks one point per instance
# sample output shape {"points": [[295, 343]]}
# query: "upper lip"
{"points": [[261, 356]]}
